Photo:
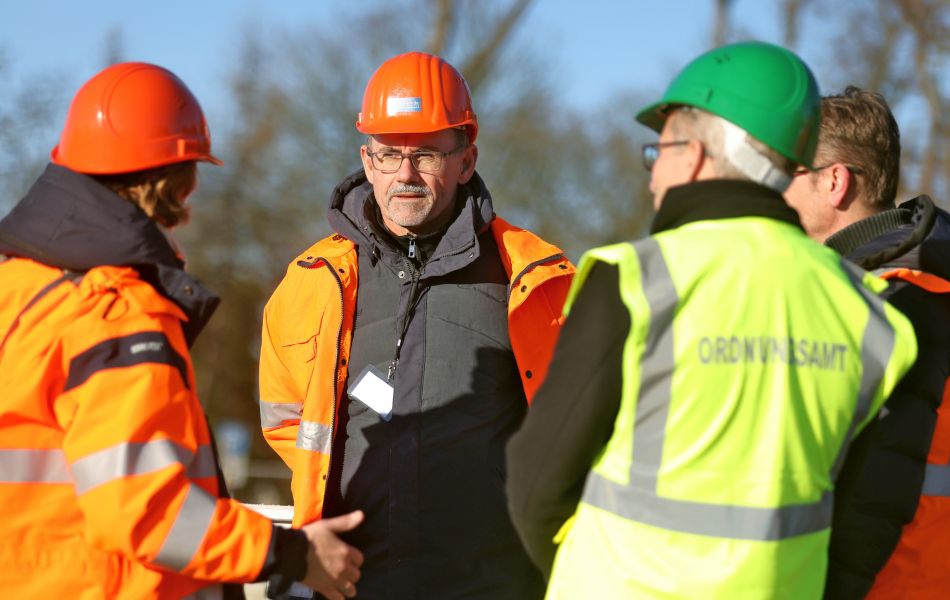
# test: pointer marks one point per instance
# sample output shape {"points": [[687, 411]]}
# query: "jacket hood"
{"points": [[353, 213], [70, 221], [915, 235]]}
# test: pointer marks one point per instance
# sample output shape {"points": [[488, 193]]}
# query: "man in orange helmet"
{"points": [[400, 353], [109, 483]]}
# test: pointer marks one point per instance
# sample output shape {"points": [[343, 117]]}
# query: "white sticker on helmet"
{"points": [[398, 105]]}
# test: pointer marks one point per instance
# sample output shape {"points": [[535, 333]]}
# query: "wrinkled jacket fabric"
{"points": [[309, 328], [891, 531], [108, 479]]}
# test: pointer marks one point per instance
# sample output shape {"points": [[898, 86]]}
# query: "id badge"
{"points": [[372, 389]]}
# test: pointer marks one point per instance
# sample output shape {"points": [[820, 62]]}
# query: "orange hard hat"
{"points": [[131, 117], [416, 93]]}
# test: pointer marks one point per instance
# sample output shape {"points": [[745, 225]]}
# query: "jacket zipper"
{"points": [[336, 396], [413, 290], [531, 267], [414, 274]]}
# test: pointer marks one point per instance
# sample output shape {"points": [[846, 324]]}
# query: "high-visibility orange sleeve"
{"points": [[139, 448], [280, 397]]}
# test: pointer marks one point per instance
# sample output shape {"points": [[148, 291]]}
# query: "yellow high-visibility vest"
{"points": [[754, 357]]}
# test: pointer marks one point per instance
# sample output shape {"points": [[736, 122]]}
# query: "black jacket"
{"points": [[430, 476], [879, 487], [70, 221]]}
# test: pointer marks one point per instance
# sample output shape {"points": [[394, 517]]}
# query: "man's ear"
{"points": [[838, 185], [469, 158], [367, 163], [696, 159]]}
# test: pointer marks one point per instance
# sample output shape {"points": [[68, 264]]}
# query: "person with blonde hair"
{"points": [[109, 482]]}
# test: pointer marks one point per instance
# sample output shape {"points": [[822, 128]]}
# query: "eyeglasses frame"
{"points": [[403, 156]]}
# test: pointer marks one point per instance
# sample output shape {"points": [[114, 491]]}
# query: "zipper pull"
{"points": [[394, 361], [412, 247]]}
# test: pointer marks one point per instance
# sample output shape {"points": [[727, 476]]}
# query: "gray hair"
{"points": [[734, 153]]}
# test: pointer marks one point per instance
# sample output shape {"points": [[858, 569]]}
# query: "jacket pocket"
{"points": [[300, 333], [298, 348], [300, 352]]}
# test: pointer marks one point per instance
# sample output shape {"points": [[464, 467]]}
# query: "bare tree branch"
{"points": [[114, 46], [915, 13], [442, 26], [793, 11], [721, 23], [479, 64], [890, 34]]}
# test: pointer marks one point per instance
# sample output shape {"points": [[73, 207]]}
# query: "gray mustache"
{"points": [[408, 188]]}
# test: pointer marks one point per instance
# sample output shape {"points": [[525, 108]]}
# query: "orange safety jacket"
{"points": [[920, 564], [107, 476], [308, 327]]}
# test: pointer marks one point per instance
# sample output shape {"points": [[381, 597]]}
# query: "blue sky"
{"points": [[600, 46]]}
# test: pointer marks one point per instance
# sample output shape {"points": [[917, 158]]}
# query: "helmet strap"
{"points": [[749, 161]]}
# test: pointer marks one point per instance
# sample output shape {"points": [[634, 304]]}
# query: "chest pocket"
{"points": [[481, 308]]}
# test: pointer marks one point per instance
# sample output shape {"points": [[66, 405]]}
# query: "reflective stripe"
{"points": [[877, 345], [275, 415], [314, 436], [653, 403], [132, 458], [639, 501], [212, 592], [188, 531], [34, 466], [149, 347], [700, 518], [937, 480]]}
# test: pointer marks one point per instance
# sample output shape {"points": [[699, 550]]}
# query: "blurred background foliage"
{"points": [[575, 179]]}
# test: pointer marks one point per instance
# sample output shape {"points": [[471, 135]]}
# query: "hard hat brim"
{"points": [[653, 116], [92, 168]]}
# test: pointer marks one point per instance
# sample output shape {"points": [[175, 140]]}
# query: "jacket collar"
{"points": [[353, 213], [914, 235], [720, 199], [70, 221]]}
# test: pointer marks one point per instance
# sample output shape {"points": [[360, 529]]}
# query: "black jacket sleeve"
{"points": [[571, 418], [286, 560], [879, 486]]}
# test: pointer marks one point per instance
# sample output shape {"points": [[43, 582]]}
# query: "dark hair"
{"points": [[859, 130]]}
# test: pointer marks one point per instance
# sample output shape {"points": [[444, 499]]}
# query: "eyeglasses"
{"points": [[651, 152], [804, 170], [424, 161]]}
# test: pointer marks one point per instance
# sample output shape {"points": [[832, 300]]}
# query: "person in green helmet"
{"points": [[708, 379]]}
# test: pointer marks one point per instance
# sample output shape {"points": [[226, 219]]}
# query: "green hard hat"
{"points": [[762, 88]]}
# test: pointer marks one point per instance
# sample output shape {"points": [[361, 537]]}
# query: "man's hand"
{"points": [[333, 566]]}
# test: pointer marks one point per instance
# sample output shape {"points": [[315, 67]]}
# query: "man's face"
{"points": [[412, 201], [805, 196], [672, 167]]}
